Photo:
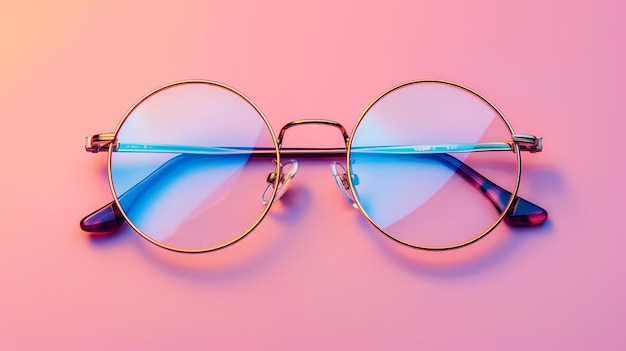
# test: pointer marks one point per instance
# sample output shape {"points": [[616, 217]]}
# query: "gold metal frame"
{"points": [[108, 142], [530, 143], [99, 138]]}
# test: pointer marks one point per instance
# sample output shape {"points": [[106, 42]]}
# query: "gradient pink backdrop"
{"points": [[313, 275]]}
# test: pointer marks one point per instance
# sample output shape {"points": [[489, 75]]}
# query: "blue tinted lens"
{"points": [[184, 172], [426, 155]]}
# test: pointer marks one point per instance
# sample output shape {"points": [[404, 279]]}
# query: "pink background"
{"points": [[313, 275]]}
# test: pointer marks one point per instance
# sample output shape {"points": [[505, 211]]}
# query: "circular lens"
{"points": [[435, 163], [189, 166]]}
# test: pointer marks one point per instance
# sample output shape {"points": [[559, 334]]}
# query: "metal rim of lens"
{"points": [[110, 173], [476, 237]]}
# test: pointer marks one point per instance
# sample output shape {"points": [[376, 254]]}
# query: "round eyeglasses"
{"points": [[194, 166]]}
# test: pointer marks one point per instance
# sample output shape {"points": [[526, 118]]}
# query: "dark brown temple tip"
{"points": [[106, 219]]}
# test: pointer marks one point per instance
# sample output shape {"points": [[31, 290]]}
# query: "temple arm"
{"points": [[521, 212], [102, 143]]}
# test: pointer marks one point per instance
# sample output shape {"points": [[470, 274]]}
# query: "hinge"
{"points": [[100, 142], [528, 142]]}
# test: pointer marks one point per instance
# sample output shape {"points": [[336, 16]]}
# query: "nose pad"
{"points": [[287, 173], [341, 178]]}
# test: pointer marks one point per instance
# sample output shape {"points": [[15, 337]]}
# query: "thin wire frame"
{"points": [[206, 249], [479, 236], [520, 142]]}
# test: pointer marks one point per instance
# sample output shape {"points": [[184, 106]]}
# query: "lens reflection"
{"points": [[425, 155], [183, 172]]}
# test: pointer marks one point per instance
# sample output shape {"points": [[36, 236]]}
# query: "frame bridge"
{"points": [[312, 121]]}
